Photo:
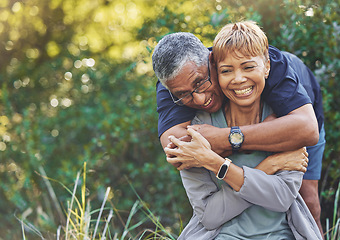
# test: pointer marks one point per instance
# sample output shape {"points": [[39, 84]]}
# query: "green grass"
{"points": [[83, 223], [333, 230]]}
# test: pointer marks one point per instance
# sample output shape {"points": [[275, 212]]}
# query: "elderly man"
{"points": [[181, 63]]}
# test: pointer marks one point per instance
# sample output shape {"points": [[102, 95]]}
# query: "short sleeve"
{"points": [[170, 114], [286, 96], [283, 90]]}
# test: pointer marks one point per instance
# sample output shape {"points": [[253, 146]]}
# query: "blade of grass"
{"points": [[107, 223], [101, 211], [23, 230], [63, 185], [71, 205], [153, 218], [83, 189], [327, 227], [137, 224], [30, 227], [132, 212], [336, 204], [153, 233], [336, 230], [87, 218], [58, 232], [52, 194], [74, 225]]}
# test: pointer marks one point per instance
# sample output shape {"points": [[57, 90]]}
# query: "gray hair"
{"points": [[173, 51]]}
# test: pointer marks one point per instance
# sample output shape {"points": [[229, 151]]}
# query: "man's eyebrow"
{"points": [[193, 84], [177, 93], [197, 80]]}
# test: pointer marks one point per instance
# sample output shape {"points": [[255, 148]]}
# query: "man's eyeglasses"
{"points": [[202, 86]]}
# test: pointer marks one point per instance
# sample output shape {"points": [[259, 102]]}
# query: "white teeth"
{"points": [[243, 91], [207, 103]]}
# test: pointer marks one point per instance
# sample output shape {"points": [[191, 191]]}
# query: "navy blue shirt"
{"points": [[290, 85]]}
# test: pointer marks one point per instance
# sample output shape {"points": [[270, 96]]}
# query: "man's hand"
{"points": [[187, 154], [185, 138], [291, 161]]}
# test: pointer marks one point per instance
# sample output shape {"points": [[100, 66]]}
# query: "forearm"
{"points": [[208, 201], [290, 161], [213, 162], [274, 192], [295, 130], [178, 131], [225, 204]]}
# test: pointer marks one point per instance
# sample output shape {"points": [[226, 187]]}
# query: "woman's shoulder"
{"points": [[266, 111]]}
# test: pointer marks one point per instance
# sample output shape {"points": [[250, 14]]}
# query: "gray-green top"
{"points": [[215, 203], [255, 222]]}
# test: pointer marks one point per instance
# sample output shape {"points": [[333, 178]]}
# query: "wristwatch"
{"points": [[223, 169], [236, 138]]}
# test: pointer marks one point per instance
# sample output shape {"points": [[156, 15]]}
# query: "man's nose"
{"points": [[199, 98]]}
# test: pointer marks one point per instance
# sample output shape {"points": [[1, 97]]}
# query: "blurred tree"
{"points": [[76, 84]]}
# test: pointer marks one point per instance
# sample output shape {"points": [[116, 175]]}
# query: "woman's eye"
{"points": [[226, 71], [249, 68]]}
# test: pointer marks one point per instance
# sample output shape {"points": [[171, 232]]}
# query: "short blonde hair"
{"points": [[245, 37]]}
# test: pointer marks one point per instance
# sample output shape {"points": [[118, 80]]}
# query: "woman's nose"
{"points": [[239, 77]]}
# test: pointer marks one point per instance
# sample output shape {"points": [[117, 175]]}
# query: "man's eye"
{"points": [[199, 83], [181, 95]]}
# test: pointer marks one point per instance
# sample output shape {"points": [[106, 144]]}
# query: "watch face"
{"points": [[236, 138]]}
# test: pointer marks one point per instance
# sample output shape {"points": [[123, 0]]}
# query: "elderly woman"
{"points": [[231, 200]]}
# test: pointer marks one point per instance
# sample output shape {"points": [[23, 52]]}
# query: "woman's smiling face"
{"points": [[242, 78]]}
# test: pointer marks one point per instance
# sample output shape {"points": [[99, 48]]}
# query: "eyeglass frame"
{"points": [[196, 90]]}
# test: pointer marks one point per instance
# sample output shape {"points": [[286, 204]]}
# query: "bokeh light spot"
{"points": [[16, 7], [54, 133], [2, 146], [54, 102], [78, 64], [68, 76]]}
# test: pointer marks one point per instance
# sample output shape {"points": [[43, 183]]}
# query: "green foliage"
{"points": [[333, 230], [84, 223], [76, 85]]}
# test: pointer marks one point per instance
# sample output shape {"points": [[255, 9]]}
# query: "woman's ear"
{"points": [[267, 65]]}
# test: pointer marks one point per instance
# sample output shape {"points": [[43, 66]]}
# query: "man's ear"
{"points": [[211, 59]]}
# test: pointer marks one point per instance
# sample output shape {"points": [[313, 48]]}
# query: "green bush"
{"points": [[76, 85]]}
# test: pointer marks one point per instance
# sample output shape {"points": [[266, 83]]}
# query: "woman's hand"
{"points": [[196, 153], [291, 161], [171, 145]]}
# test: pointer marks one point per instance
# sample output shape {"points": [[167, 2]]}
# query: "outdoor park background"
{"points": [[77, 85]]}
